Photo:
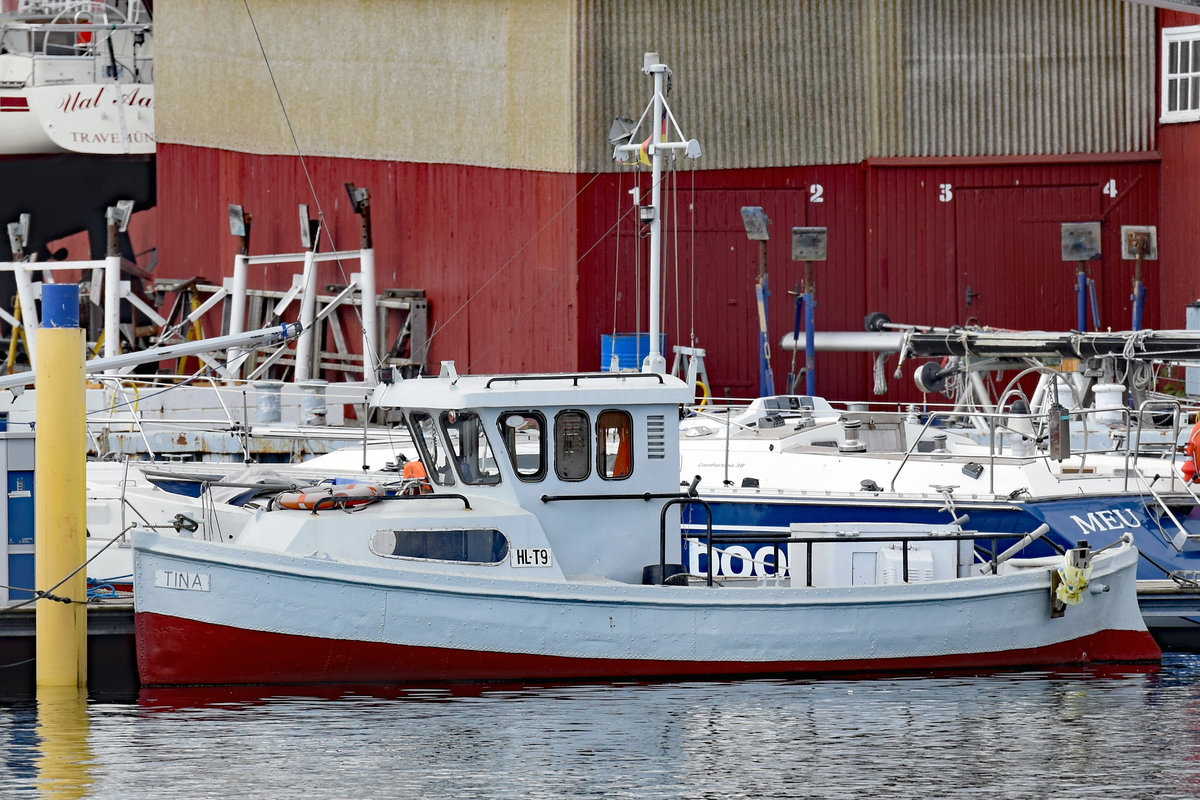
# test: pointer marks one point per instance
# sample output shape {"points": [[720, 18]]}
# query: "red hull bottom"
{"points": [[178, 652]]}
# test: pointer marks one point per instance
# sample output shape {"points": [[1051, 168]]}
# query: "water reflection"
{"points": [[1077, 734], [64, 755]]}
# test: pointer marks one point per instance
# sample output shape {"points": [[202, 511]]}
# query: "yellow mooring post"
{"points": [[60, 500]]}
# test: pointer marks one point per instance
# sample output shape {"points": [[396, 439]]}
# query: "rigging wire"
{"points": [[375, 363]]}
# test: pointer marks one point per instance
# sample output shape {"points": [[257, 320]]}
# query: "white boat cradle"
{"points": [[532, 568], [76, 77]]}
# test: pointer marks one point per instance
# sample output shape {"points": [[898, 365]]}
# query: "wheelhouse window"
{"points": [[572, 446], [523, 434], [469, 448], [435, 462], [466, 546], [1181, 74], [614, 445]]}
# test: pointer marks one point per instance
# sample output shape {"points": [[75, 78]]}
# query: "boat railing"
{"points": [[997, 423], [995, 556], [62, 52]]}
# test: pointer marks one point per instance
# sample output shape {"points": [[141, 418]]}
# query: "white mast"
{"points": [[655, 147]]}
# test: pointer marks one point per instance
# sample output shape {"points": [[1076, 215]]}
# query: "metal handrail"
{"points": [[767, 537], [574, 378]]}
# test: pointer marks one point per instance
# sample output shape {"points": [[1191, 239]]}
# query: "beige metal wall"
{"points": [[485, 82], [534, 84]]}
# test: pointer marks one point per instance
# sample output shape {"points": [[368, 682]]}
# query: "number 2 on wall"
{"points": [[816, 193]]}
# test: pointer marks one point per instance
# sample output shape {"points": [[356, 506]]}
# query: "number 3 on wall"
{"points": [[945, 192]]}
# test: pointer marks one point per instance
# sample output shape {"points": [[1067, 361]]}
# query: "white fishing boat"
{"points": [[565, 564], [76, 77]]}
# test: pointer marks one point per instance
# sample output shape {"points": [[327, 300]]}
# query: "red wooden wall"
{"points": [[526, 271], [1179, 236]]}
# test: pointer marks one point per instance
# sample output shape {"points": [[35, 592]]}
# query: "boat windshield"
{"points": [[523, 434], [469, 447], [424, 433]]}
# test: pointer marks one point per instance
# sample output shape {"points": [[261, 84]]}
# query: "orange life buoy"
{"points": [[328, 496], [1192, 451]]}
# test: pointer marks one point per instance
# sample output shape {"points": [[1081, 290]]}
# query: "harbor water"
{"points": [[1080, 734]]}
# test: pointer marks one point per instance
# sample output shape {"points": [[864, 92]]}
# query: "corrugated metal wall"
{"points": [[534, 84], [839, 81]]}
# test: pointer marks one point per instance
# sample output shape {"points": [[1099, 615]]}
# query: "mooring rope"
{"points": [[47, 594]]}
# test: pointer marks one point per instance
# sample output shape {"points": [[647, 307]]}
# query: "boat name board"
{"points": [[1111, 520], [79, 101], [173, 579], [530, 557]]}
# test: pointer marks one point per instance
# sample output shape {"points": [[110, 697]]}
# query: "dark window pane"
{"points": [[572, 446], [483, 546]]}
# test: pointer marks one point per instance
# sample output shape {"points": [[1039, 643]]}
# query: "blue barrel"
{"points": [[630, 348]]}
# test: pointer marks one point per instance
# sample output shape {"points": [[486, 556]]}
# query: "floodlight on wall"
{"points": [[18, 233], [310, 229], [237, 220], [1080, 241], [809, 244], [15, 237], [305, 229], [756, 221], [1139, 242], [359, 198], [119, 214]]}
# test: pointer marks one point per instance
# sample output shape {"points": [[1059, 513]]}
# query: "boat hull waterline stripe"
{"points": [[219, 654]]}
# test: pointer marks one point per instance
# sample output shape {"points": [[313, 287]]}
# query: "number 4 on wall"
{"points": [[1110, 188]]}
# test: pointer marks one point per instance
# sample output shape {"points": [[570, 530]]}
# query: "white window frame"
{"points": [[1186, 78]]}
